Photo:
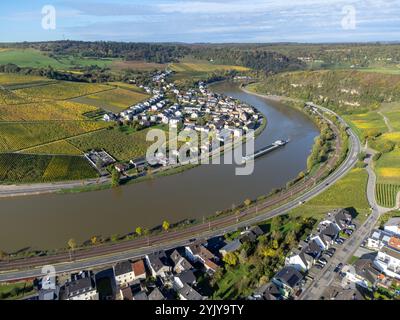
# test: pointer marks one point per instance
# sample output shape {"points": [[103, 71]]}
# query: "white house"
{"points": [[124, 274], [393, 226], [378, 239], [388, 262]]}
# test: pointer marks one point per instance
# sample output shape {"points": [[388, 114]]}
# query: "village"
{"points": [[197, 110]]}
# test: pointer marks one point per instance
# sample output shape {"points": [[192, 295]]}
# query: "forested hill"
{"points": [[343, 91]]}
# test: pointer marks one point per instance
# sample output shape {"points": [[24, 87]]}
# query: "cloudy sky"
{"points": [[201, 20]]}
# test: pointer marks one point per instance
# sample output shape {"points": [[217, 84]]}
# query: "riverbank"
{"points": [[174, 198]]}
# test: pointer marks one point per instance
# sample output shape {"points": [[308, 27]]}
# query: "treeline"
{"points": [[90, 74], [257, 59]]}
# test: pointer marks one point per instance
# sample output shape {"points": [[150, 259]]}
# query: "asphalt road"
{"points": [[183, 237], [345, 251]]}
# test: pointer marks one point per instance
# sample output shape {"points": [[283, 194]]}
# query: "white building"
{"points": [[393, 226], [388, 262]]}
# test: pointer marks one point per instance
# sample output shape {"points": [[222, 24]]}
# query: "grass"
{"points": [[18, 136], [386, 194], [25, 168], [115, 100], [395, 69], [121, 145], [10, 291], [346, 193], [36, 59], [38, 111]]}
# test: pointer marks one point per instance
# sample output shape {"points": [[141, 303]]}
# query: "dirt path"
{"points": [[387, 122]]}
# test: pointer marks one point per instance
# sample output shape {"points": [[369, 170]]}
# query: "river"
{"points": [[48, 221]]}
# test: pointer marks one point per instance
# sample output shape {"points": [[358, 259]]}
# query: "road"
{"points": [[107, 255], [344, 252]]}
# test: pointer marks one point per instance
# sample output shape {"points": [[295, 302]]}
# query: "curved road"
{"points": [[106, 255]]}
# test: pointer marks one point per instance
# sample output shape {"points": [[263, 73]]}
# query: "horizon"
{"points": [[203, 21]]}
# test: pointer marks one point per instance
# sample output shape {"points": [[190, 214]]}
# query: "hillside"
{"points": [[345, 91]]}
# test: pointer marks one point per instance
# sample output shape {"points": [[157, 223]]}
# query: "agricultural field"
{"points": [[121, 145], [24, 168], [61, 147], [343, 194], [119, 65], [61, 90], [367, 124], [18, 136], [386, 194], [11, 79], [37, 59], [49, 110], [114, 100]]}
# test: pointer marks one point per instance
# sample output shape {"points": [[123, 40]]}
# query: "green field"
{"points": [[36, 59], [386, 194], [10, 79], [24, 168], [122, 145], [346, 193], [115, 100]]}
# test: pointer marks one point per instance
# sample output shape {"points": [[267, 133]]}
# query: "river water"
{"points": [[48, 221]]}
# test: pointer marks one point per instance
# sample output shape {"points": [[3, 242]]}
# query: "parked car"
{"points": [[338, 268], [318, 266], [339, 241], [352, 226], [323, 260]]}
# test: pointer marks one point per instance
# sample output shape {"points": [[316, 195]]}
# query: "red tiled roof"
{"points": [[138, 268]]}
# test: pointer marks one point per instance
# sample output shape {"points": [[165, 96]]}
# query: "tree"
{"points": [[115, 178], [139, 231], [72, 244], [247, 202], [165, 225], [230, 258], [93, 239]]}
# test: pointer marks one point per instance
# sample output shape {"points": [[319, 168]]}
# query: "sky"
{"points": [[196, 21]]}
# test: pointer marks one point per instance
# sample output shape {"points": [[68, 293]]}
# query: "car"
{"points": [[323, 260], [339, 241], [352, 226], [338, 268], [331, 251], [301, 202], [327, 255], [318, 266]]}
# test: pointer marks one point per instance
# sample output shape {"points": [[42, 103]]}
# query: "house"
{"points": [[120, 167], [269, 291], [181, 264], [378, 239], [388, 262], [230, 247], [49, 294], [342, 218], [124, 273], [198, 253], [156, 295], [126, 293], [305, 259], [393, 226], [365, 269], [158, 264], [139, 269], [188, 293], [142, 295], [288, 278], [81, 286], [139, 163], [186, 277]]}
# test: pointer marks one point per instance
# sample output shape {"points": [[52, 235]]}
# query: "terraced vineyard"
{"points": [[23, 168], [17, 136], [115, 100], [121, 145], [386, 194], [61, 147], [38, 111]]}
